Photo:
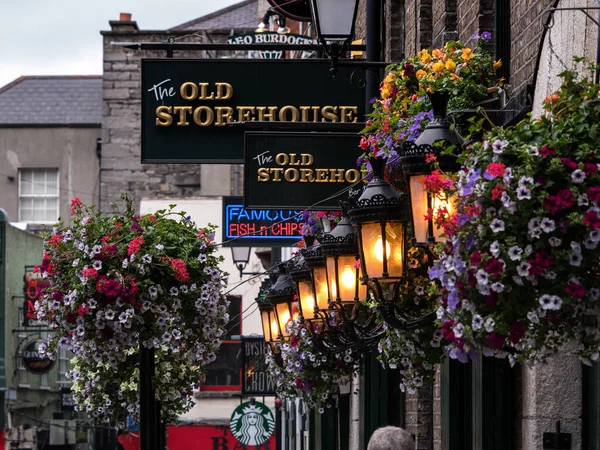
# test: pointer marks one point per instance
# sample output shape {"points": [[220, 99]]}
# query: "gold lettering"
{"points": [[183, 112], [271, 115], [336, 175], [304, 113], [210, 115], [282, 159], [329, 112], [352, 175], [204, 92], [348, 113], [283, 112], [316, 110], [245, 113], [277, 171], [307, 159], [322, 175], [224, 95], [163, 116], [293, 160], [263, 174], [188, 91], [306, 175], [224, 114], [291, 175]]}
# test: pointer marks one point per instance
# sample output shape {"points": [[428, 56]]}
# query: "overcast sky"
{"points": [[62, 37]]}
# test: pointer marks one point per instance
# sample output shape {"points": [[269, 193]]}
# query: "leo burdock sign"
{"points": [[284, 170], [35, 360], [252, 423], [256, 379], [187, 104]]}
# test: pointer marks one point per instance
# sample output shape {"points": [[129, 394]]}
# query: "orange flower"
{"points": [[450, 65], [467, 54], [438, 54], [497, 64], [420, 74], [454, 77]]}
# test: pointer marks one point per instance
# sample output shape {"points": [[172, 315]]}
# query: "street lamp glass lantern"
{"points": [[320, 287], [269, 324], [241, 256], [307, 298], [284, 299], [334, 19]]}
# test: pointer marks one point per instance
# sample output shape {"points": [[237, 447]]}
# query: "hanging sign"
{"points": [[298, 170], [254, 367], [67, 401], [270, 37], [34, 360], [252, 423], [259, 227], [188, 104], [33, 290]]}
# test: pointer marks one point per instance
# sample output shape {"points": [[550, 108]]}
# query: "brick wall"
{"points": [[394, 30], [418, 28], [444, 22], [121, 169]]}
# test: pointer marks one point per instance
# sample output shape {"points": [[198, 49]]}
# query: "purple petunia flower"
{"points": [[486, 35], [475, 35]]}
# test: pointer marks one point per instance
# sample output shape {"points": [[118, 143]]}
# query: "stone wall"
{"points": [[121, 167], [419, 416]]}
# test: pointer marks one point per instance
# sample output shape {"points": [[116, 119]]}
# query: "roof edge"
{"points": [[46, 77], [216, 13]]}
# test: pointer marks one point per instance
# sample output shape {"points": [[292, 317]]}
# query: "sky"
{"points": [[62, 37]]}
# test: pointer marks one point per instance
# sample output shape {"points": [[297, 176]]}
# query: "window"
{"points": [[38, 195], [224, 374]]}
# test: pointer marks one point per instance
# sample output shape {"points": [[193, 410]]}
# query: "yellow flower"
{"points": [[425, 56], [420, 74], [389, 78], [450, 65], [454, 77], [385, 92], [467, 54], [439, 66], [497, 64]]}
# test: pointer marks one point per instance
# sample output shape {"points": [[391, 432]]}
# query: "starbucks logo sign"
{"points": [[252, 423]]}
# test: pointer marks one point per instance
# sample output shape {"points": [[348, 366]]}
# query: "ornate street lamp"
{"points": [[267, 315], [315, 261], [425, 205], [380, 215], [284, 299], [300, 274]]}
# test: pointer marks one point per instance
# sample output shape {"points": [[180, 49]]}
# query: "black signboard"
{"points": [[259, 227], [297, 170], [67, 401], [256, 379], [33, 290], [187, 104], [33, 360]]}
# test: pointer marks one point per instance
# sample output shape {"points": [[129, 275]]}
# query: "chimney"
{"points": [[124, 23]]}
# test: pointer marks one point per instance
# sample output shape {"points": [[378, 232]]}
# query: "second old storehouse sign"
{"points": [[188, 104]]}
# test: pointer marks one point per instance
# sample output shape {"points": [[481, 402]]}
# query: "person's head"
{"points": [[391, 438]]}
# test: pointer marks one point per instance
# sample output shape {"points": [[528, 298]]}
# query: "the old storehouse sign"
{"points": [[188, 104], [259, 227], [297, 170]]}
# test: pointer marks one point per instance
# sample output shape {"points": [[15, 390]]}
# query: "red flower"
{"points": [[574, 289], [363, 143], [82, 310], [495, 340], [565, 198], [294, 341], [494, 267], [437, 182], [70, 317], [89, 273], [589, 168], [111, 288], [135, 244], [55, 240], [591, 218], [75, 203], [497, 192], [594, 194], [547, 151], [475, 258], [568, 162], [496, 169], [181, 272], [448, 331], [540, 261], [430, 157]]}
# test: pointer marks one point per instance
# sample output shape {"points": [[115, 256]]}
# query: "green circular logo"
{"points": [[252, 423]]}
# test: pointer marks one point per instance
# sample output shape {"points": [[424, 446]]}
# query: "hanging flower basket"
{"points": [[305, 372], [120, 281], [520, 266]]}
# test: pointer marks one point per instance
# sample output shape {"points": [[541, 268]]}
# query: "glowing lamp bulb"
{"points": [[349, 276], [274, 328], [379, 249]]}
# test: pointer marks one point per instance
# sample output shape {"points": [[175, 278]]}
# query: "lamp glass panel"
{"points": [[307, 299], [346, 279], [320, 280], [240, 254], [270, 332], [418, 203], [373, 249], [284, 316], [442, 202], [336, 17]]}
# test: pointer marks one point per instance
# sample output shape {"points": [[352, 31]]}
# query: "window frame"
{"points": [[21, 195], [226, 387]]}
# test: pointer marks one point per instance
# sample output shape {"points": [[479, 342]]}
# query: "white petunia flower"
{"points": [[489, 325]]}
